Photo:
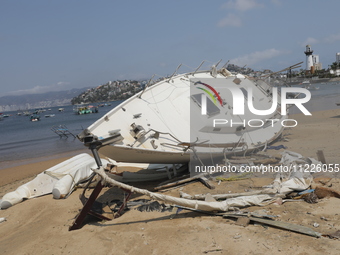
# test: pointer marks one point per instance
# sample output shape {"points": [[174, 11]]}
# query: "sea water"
{"points": [[22, 139], [325, 96]]}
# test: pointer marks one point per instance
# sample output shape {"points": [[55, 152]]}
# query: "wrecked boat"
{"points": [[199, 113]]}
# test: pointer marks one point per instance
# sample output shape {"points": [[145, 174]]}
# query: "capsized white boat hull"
{"points": [[157, 125], [128, 154]]}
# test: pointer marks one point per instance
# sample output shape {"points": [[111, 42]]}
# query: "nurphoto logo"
{"points": [[238, 100], [242, 101]]}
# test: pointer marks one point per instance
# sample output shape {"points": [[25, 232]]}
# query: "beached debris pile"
{"points": [[287, 186], [281, 186]]}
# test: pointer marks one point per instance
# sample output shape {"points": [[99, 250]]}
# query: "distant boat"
{"points": [[312, 88], [61, 109], [34, 118], [84, 109], [307, 85], [49, 115]]}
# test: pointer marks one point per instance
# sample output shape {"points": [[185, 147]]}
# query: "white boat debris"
{"points": [[281, 186], [58, 180], [62, 179], [157, 124]]}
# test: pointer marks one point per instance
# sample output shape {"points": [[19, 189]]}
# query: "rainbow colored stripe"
{"points": [[213, 95]]}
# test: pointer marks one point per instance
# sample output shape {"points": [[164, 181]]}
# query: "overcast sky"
{"points": [[62, 44]]}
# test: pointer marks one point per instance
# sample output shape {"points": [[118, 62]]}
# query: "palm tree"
{"points": [[335, 66]]}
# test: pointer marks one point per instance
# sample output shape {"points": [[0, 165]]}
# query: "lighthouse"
{"points": [[309, 58]]}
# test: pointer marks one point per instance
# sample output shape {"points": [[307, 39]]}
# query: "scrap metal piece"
{"points": [[281, 225]]}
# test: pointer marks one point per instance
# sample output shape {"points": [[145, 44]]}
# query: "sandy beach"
{"points": [[40, 225]]}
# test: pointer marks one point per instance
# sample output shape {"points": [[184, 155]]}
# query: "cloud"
{"points": [[329, 39], [310, 40], [242, 5], [231, 20], [256, 57], [59, 86], [332, 38]]}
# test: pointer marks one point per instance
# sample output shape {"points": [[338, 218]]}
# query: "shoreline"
{"points": [[21, 171], [19, 162]]}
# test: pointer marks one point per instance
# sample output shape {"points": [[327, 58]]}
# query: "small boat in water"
{"points": [[188, 116], [84, 109], [308, 85], [34, 117]]}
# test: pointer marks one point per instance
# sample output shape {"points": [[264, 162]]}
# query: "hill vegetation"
{"points": [[111, 91]]}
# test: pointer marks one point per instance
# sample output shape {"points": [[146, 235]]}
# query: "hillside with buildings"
{"points": [[112, 90]]}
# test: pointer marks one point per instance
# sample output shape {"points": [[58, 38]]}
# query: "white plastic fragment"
{"points": [[59, 180]]}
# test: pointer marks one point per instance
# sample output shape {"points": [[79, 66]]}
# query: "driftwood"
{"points": [[280, 224]]}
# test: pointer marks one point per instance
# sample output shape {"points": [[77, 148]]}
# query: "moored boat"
{"points": [[34, 117], [84, 109]]}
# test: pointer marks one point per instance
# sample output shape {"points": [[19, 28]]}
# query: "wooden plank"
{"points": [[77, 224]]}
